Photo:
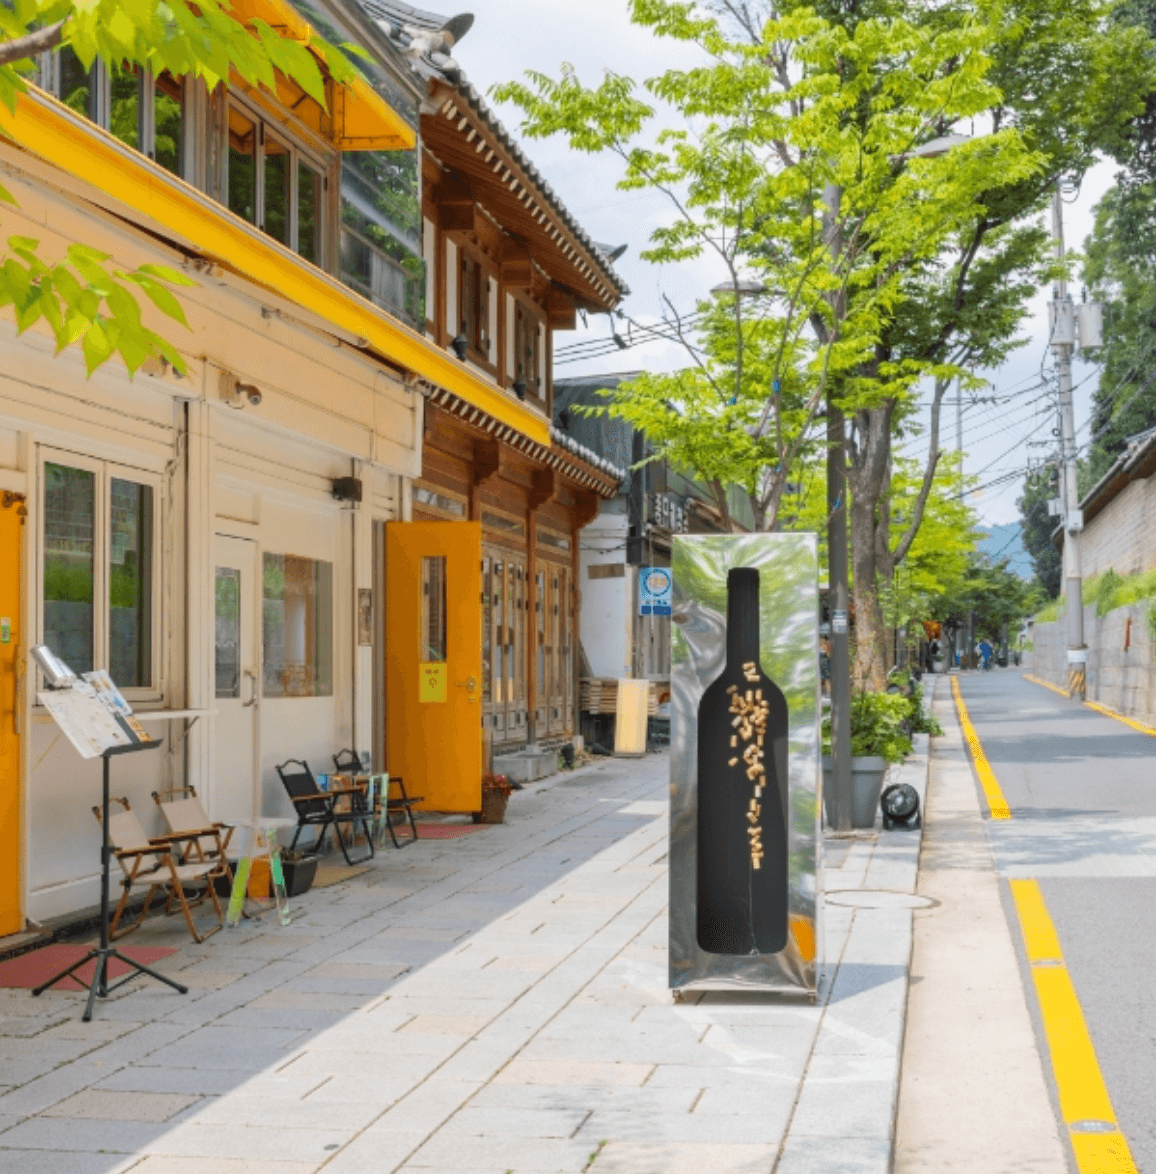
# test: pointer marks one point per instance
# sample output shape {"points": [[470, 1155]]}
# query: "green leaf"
{"points": [[98, 347], [162, 299], [165, 273]]}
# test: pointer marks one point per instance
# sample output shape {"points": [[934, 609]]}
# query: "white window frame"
{"points": [[104, 472], [298, 153]]}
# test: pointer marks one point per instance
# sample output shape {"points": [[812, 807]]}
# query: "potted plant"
{"points": [[495, 795], [877, 741]]}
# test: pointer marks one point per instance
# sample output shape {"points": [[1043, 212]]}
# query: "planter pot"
{"points": [[938, 664], [493, 807], [299, 875], [867, 776]]}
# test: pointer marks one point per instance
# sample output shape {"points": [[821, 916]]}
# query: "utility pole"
{"points": [[839, 807], [1063, 324]]}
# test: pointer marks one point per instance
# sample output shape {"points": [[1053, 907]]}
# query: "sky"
{"points": [[512, 36]]}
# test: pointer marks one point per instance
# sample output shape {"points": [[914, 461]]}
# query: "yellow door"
{"points": [[433, 694], [12, 512]]}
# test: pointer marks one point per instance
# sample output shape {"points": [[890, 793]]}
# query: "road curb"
{"points": [[845, 1112]]}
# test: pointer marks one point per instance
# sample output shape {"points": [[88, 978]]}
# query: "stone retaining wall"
{"points": [[1124, 680]]}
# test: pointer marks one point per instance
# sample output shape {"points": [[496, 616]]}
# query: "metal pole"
{"points": [[1062, 318], [839, 807]]}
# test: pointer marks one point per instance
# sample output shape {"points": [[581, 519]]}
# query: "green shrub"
{"points": [[923, 721], [1050, 612], [875, 726]]}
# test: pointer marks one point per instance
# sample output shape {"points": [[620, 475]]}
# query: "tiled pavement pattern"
{"points": [[488, 1004]]}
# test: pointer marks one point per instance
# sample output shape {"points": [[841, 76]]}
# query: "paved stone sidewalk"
{"points": [[488, 1004]]}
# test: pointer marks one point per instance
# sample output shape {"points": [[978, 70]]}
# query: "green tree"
{"points": [[83, 299], [1037, 528], [993, 596]]}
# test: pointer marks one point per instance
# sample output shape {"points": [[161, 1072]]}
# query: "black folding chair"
{"points": [[318, 809], [349, 762]]}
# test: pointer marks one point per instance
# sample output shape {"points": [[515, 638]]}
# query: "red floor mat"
{"points": [[30, 970], [446, 831]]}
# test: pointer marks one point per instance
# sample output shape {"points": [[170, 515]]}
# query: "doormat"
{"points": [[446, 831], [30, 970], [334, 874]]}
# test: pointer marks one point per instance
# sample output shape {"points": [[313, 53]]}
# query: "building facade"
{"points": [[219, 540], [632, 530]]}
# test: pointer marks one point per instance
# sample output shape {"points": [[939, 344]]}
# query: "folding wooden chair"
{"points": [[152, 864], [318, 809], [349, 762], [194, 836]]}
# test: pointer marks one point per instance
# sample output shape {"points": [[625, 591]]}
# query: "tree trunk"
{"points": [[867, 475]]}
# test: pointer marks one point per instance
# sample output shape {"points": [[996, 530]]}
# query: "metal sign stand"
{"points": [[104, 952]]}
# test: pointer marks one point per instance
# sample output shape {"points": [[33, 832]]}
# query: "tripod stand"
{"points": [[104, 952]]}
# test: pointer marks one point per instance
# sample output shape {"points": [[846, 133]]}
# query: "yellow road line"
{"points": [[996, 803], [1149, 730], [1046, 684], [1121, 718], [1098, 1145]]}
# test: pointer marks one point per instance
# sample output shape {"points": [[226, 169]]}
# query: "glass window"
{"points": [[433, 609], [124, 113], [130, 594], [297, 627], [228, 632], [276, 175], [242, 165], [74, 82], [168, 113], [438, 501], [69, 562], [309, 213], [526, 349]]}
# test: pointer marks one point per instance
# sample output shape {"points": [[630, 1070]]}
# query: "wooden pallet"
{"points": [[600, 695]]}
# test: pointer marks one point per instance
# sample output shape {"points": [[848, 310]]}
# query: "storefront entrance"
{"points": [[237, 679], [434, 666], [11, 667], [504, 586]]}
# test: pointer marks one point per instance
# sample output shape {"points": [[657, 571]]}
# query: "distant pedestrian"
{"points": [[824, 668], [985, 651]]}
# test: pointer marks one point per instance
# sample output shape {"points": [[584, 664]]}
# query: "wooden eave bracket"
{"points": [[517, 264], [561, 308], [586, 509], [543, 488], [488, 462]]}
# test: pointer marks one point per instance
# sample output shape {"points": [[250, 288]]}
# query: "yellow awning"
{"points": [[48, 129], [361, 119]]}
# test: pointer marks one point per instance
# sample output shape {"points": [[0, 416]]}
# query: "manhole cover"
{"points": [[879, 899]]}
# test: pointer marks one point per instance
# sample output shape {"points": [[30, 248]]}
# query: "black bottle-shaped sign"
{"points": [[742, 792]]}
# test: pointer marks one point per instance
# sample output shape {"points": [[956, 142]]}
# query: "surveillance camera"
{"points": [[254, 396]]}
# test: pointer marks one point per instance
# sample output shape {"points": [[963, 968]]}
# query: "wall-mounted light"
{"points": [[237, 394], [460, 345], [520, 387]]}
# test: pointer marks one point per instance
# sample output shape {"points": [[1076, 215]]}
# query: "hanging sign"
{"points": [[432, 681], [654, 591]]}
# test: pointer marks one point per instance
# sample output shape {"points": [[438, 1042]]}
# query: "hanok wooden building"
{"points": [[507, 266]]}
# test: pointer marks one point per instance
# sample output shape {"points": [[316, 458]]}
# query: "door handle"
{"points": [[470, 683], [252, 675]]}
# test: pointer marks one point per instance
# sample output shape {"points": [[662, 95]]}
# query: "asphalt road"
{"points": [[1082, 791]]}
